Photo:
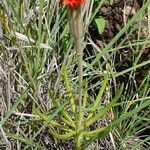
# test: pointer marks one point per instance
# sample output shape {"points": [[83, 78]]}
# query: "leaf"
{"points": [[102, 132], [68, 88], [99, 97], [131, 113], [105, 109], [24, 140], [100, 24], [67, 118], [14, 107], [48, 119], [66, 136]]}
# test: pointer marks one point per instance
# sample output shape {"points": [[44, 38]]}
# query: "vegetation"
{"points": [[52, 98]]}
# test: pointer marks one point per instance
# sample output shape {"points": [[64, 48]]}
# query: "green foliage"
{"points": [[100, 24], [39, 81], [72, 130]]}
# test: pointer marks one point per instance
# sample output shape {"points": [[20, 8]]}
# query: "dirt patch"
{"points": [[116, 16]]}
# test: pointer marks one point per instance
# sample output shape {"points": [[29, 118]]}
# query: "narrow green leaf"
{"points": [[98, 133], [131, 113], [68, 88], [102, 133], [67, 118], [14, 107], [99, 97], [48, 120], [105, 109], [66, 136], [24, 140]]}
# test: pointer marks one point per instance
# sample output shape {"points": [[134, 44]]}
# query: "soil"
{"points": [[116, 16]]}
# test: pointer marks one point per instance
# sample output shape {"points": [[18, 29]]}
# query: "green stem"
{"points": [[76, 30]]}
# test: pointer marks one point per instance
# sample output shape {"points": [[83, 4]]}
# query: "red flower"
{"points": [[73, 3]]}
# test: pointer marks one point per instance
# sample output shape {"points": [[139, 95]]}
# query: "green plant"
{"points": [[100, 24], [69, 121], [39, 86], [76, 125]]}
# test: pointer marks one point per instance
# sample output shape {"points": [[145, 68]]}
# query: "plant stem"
{"points": [[76, 29]]}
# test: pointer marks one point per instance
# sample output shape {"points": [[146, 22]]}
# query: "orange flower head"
{"points": [[73, 3]]}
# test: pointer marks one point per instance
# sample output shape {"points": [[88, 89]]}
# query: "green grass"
{"points": [[35, 46]]}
